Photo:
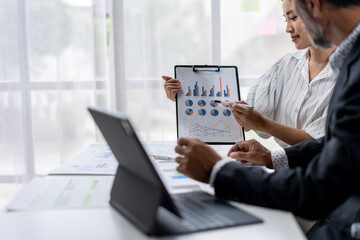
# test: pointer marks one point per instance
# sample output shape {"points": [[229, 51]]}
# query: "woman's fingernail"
{"points": [[232, 155]]}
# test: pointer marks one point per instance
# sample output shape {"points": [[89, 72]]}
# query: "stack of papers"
{"points": [[96, 159], [85, 180], [59, 192]]}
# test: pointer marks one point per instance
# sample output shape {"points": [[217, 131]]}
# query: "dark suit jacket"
{"points": [[324, 179]]}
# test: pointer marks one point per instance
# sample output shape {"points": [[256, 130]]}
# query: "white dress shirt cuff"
{"points": [[279, 159], [216, 169]]}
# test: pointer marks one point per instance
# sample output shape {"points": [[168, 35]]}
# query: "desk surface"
{"points": [[106, 223]]}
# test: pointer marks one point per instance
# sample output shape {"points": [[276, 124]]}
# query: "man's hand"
{"points": [[172, 87], [198, 159], [251, 151], [248, 118]]}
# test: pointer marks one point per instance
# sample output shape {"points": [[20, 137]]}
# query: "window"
{"points": [[53, 64], [160, 34]]}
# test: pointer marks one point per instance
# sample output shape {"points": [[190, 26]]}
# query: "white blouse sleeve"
{"points": [[316, 129], [264, 94]]}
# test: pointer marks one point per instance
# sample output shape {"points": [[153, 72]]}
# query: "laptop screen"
{"points": [[138, 190]]}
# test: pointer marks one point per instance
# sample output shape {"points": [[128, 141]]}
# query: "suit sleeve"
{"points": [[302, 153], [310, 193], [331, 175]]}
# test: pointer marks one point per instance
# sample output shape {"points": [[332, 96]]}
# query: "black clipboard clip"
{"points": [[206, 68]]}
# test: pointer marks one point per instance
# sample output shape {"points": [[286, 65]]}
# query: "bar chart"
{"points": [[195, 90]]}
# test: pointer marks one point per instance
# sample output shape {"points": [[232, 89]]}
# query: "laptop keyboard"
{"points": [[197, 216]]}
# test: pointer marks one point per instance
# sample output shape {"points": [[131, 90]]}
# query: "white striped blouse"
{"points": [[285, 95]]}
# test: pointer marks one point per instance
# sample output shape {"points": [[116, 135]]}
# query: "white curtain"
{"points": [[53, 64]]}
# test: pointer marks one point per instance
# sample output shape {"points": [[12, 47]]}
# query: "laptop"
{"points": [[139, 194]]}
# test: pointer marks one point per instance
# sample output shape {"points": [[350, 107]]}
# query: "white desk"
{"points": [[107, 223]]}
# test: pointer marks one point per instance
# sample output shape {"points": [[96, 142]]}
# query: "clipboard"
{"points": [[197, 113]]}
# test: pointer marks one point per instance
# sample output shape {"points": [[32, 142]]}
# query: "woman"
{"points": [[292, 97]]}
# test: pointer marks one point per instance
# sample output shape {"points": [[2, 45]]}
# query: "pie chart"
{"points": [[226, 105], [202, 112], [188, 103], [227, 113], [214, 112], [213, 103], [189, 111], [202, 103]]}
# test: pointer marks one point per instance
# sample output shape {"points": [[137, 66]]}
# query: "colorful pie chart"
{"points": [[213, 103], [202, 112], [214, 112], [202, 103], [226, 105], [227, 113], [188, 103], [189, 111]]}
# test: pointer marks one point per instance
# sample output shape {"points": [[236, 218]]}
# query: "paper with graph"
{"points": [[198, 115], [59, 192], [95, 159]]}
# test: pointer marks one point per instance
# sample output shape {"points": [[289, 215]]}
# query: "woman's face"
{"points": [[294, 26]]}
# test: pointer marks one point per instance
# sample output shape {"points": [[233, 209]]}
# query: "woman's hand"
{"points": [[172, 87], [250, 119]]}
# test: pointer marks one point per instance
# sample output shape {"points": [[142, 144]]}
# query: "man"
{"points": [[323, 181]]}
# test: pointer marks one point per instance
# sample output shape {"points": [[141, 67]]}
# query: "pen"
{"points": [[240, 104], [158, 157]]}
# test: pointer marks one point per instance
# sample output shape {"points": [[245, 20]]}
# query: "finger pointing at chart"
{"points": [[247, 117]]}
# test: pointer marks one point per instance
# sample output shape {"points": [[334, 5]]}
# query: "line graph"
{"points": [[218, 127]]}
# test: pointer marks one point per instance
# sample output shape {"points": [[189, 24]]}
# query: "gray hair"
{"points": [[344, 3], [316, 31], [338, 3]]}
